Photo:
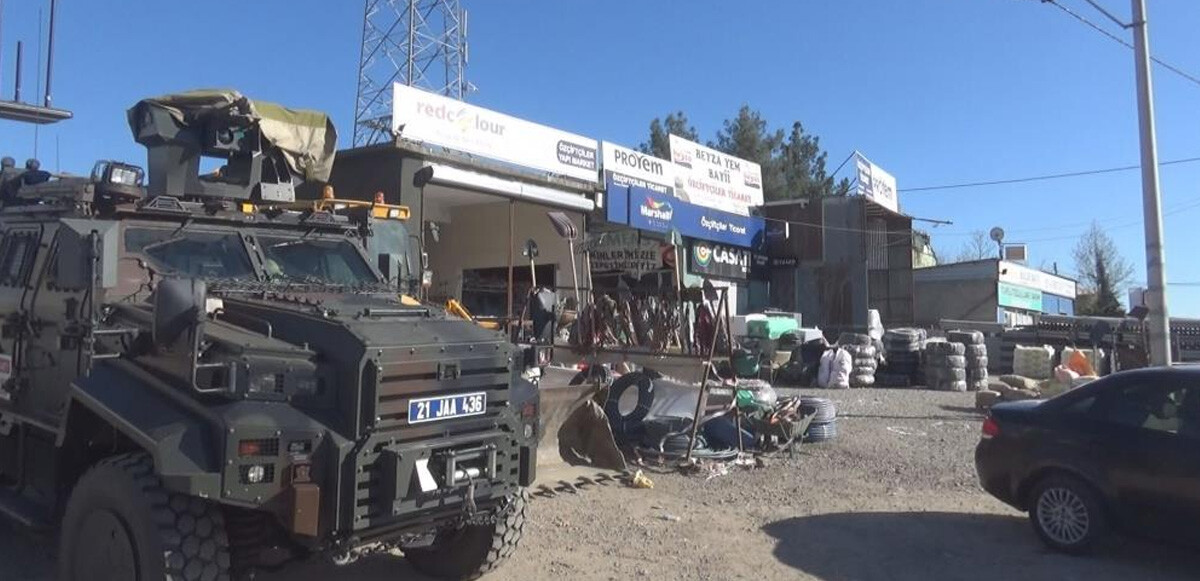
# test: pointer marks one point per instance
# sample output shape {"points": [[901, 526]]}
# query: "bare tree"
{"points": [[1102, 271], [979, 247]]}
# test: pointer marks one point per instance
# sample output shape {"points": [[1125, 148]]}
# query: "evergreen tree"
{"points": [[659, 144], [746, 136], [804, 167]]}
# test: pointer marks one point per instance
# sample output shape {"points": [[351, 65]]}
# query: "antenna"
{"points": [[997, 234], [17, 87], [419, 43], [49, 53]]}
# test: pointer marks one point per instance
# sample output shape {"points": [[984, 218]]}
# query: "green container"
{"points": [[777, 326]]}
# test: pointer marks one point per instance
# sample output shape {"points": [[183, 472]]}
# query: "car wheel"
{"points": [[471, 551], [120, 524], [1067, 514]]}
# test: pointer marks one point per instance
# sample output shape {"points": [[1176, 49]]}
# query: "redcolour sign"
{"points": [[436, 120]]}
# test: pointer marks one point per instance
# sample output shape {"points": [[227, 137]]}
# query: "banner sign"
{"points": [[876, 184], [437, 120], [707, 259], [628, 168], [1019, 297], [627, 252], [652, 211], [1017, 274], [709, 178]]}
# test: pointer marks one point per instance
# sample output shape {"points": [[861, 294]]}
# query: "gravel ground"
{"points": [[894, 498]]}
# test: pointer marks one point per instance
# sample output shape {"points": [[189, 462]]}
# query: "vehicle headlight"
{"points": [[265, 383]]}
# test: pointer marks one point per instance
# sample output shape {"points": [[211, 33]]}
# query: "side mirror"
{"points": [[178, 309], [82, 243]]}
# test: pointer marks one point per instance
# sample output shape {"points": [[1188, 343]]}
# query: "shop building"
{"points": [[480, 185], [991, 290], [693, 210], [835, 259]]}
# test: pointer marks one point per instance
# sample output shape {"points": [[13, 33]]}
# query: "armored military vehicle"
{"points": [[201, 376]]}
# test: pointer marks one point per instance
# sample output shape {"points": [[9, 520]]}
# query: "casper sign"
{"points": [[709, 178], [428, 118], [876, 184], [719, 260]]}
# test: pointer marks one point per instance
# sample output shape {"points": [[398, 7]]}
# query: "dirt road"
{"points": [[895, 498]]}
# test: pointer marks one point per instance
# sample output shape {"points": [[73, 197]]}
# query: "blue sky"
{"points": [[935, 91]]}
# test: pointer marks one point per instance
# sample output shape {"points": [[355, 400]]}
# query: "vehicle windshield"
{"points": [[207, 255], [314, 261]]}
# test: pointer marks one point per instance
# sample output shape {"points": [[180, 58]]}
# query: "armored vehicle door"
{"points": [[19, 247], [52, 358]]}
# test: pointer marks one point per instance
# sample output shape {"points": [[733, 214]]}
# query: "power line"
{"points": [[1074, 174], [1123, 42]]}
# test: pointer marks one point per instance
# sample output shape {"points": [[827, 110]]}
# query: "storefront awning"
{"points": [[449, 176]]}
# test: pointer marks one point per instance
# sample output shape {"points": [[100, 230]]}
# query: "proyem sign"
{"points": [[876, 184]]}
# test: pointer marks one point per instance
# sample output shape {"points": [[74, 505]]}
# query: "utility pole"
{"points": [[1158, 321]]}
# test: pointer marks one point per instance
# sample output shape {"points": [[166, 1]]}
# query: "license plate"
{"points": [[432, 409]]}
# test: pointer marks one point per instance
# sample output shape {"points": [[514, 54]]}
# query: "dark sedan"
{"points": [[1122, 451]]}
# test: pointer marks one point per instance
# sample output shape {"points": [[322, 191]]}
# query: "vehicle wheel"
{"points": [[121, 523], [471, 551], [1067, 514]]}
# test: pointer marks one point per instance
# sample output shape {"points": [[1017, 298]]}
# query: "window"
{"points": [[1167, 408], [17, 253], [207, 255], [314, 260]]}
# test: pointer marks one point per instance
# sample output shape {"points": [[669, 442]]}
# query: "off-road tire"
{"points": [[169, 536], [1084, 499], [474, 550]]}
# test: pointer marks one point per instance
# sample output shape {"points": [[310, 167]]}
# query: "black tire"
{"points": [[474, 550], [1080, 522], [847, 339], [122, 524], [628, 424], [821, 432], [942, 348], [824, 409], [965, 337]]}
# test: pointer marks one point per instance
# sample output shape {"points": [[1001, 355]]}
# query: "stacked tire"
{"points": [[865, 358], [975, 352], [824, 423], [904, 353], [945, 366]]}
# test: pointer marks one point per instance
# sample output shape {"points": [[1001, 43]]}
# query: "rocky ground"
{"points": [[894, 498]]}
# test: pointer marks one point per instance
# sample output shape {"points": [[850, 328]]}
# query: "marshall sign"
{"points": [[718, 260]]}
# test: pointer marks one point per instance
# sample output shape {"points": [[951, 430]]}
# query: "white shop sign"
{"points": [[637, 168], [876, 184], [436, 120], [1014, 273], [709, 178]]}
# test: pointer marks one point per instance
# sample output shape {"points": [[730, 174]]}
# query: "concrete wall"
{"points": [[964, 291], [477, 237]]}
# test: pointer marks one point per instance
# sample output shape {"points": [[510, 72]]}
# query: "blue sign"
{"points": [[647, 209]]}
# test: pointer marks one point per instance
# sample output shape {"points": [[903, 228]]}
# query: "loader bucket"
{"points": [[576, 439]]}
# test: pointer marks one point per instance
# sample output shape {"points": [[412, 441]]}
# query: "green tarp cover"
{"points": [[307, 138]]}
